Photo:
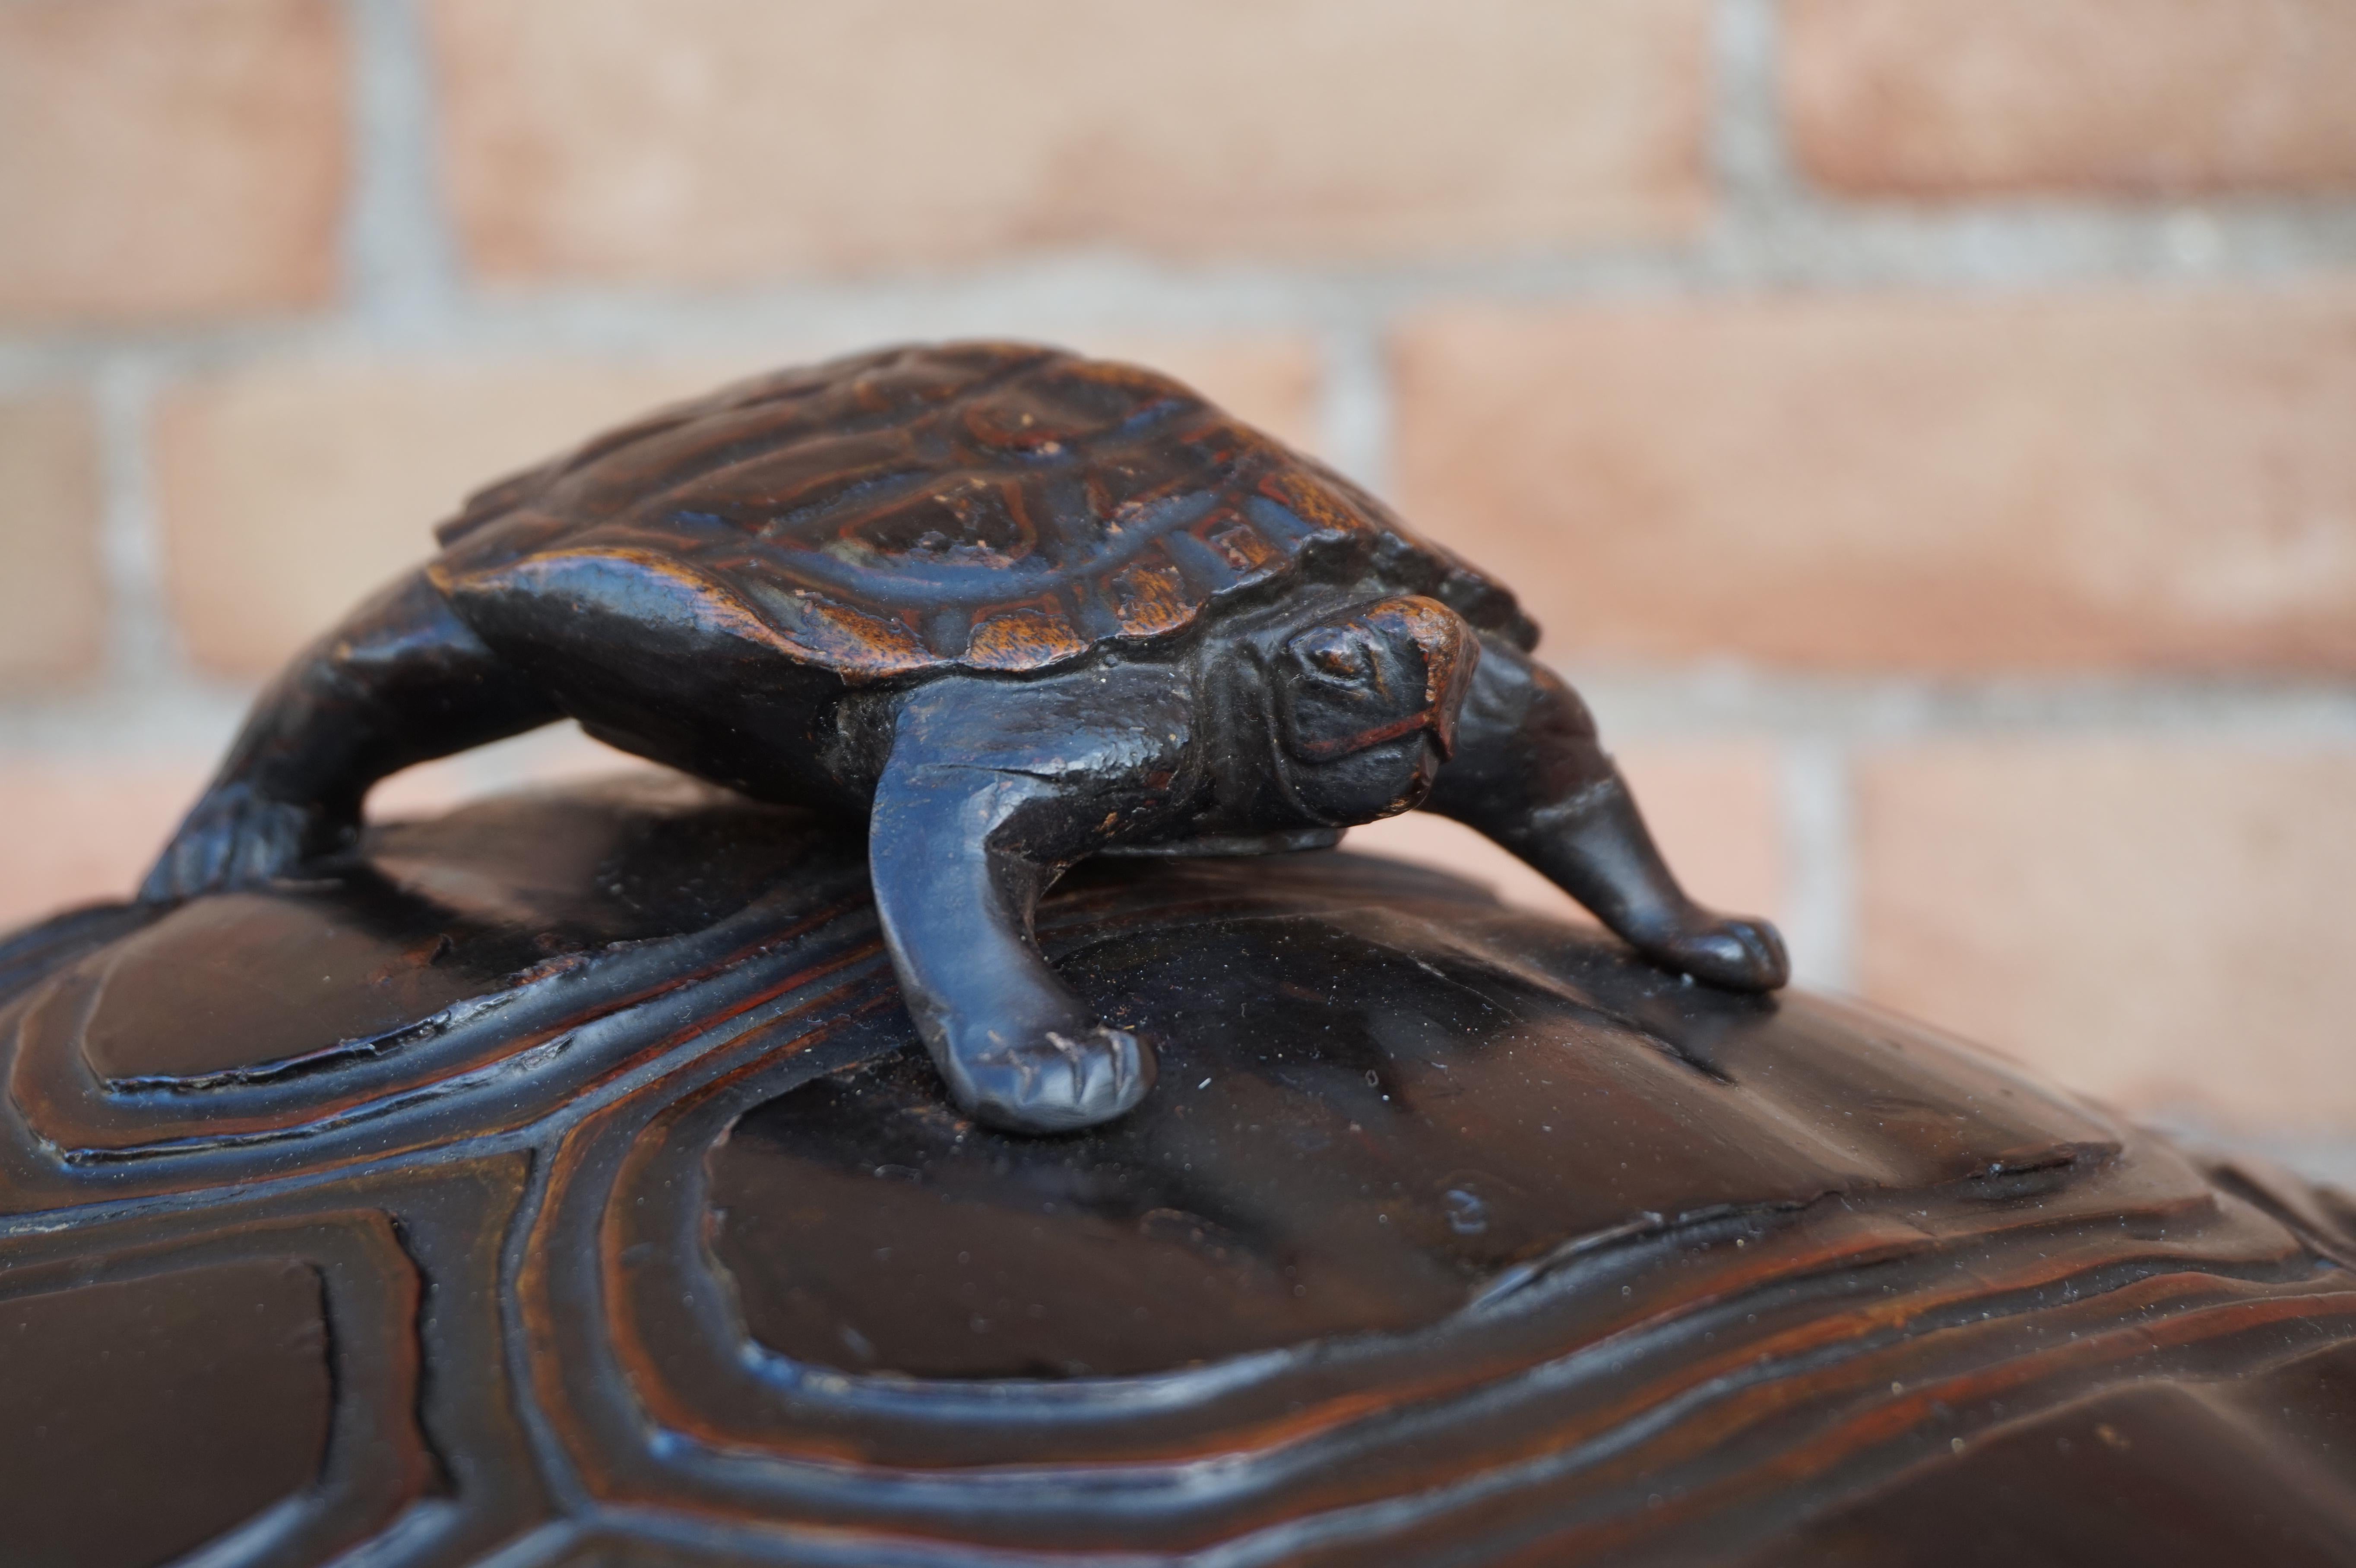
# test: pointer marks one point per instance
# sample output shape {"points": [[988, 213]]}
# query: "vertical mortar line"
{"points": [[1818, 813], [401, 257], [1748, 157], [143, 646], [1355, 415]]}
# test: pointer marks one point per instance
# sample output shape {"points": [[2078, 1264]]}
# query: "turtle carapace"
{"points": [[1015, 606]]}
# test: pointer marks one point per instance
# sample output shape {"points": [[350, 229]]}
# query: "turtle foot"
{"points": [[236, 838], [1736, 953], [1053, 1083]]}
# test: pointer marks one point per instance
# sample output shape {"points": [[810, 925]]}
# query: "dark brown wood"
{"points": [[560, 1182], [225, 1364], [1012, 607]]}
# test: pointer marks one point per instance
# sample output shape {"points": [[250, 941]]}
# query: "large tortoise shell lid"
{"points": [[592, 1125]]}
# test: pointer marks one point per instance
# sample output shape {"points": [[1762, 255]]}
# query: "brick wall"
{"points": [[1927, 428]]}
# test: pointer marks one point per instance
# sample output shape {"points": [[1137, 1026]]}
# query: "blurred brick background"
{"points": [[1926, 428]]}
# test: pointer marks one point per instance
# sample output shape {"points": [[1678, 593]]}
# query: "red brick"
{"points": [[289, 490], [169, 158], [1272, 382], [555, 755], [81, 831], [1954, 97], [2160, 923], [729, 139], [52, 593], [1942, 482], [1713, 804]]}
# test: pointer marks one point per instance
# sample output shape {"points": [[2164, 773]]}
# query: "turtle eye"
{"points": [[1336, 655]]}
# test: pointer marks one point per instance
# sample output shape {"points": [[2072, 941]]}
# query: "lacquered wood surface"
{"points": [[567, 1187], [1009, 608], [986, 506]]}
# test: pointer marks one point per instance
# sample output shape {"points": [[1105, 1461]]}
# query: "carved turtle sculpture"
{"points": [[1017, 606]]}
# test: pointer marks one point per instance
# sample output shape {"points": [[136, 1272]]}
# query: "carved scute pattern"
{"points": [[371, 1462], [522, 996], [1496, 1234], [1007, 490]]}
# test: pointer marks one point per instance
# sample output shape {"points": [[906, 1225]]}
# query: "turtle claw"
{"points": [[1053, 1082], [236, 837], [1736, 953]]}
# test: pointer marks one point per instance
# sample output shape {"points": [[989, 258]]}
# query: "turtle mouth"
{"points": [[1332, 748], [1393, 774]]}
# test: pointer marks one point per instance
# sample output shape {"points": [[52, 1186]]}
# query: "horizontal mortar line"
{"points": [[2318, 1154], [1877, 707], [134, 721], [1785, 246]]}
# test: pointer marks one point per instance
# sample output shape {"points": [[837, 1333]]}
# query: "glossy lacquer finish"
{"points": [[565, 1182], [1004, 608]]}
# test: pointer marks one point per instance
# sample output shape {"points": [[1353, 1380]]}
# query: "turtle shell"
{"points": [[977, 505]]}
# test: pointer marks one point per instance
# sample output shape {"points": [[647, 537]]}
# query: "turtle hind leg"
{"points": [[1529, 773], [992, 790], [401, 681]]}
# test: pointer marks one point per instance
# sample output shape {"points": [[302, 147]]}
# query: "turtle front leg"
{"points": [[1529, 773], [401, 681], [992, 790]]}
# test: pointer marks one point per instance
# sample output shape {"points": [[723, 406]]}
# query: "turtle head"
{"points": [[1365, 706]]}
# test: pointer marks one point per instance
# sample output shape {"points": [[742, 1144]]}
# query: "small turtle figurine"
{"points": [[1016, 606]]}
